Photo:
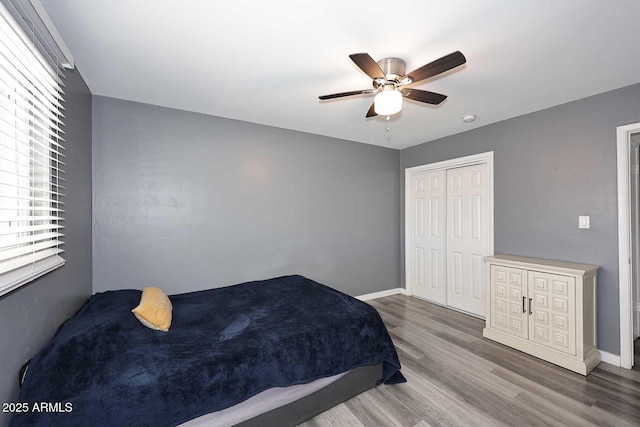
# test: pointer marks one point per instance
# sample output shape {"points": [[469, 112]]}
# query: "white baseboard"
{"points": [[612, 359], [381, 294]]}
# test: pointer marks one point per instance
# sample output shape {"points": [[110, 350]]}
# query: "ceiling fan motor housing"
{"points": [[393, 68]]}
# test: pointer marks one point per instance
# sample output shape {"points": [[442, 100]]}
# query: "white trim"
{"points": [[381, 294], [473, 159], [612, 359], [53, 32], [458, 162], [624, 244], [407, 230]]}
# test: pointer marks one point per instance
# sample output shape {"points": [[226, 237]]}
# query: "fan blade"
{"points": [[340, 95], [423, 96], [368, 65], [372, 111], [438, 66]]}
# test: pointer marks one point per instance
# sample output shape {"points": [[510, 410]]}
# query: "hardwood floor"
{"points": [[455, 377]]}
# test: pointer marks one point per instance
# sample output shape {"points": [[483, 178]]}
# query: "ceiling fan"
{"points": [[390, 81]]}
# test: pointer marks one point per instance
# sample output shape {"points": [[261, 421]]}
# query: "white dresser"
{"points": [[544, 308]]}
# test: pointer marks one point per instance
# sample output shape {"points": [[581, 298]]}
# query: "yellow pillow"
{"points": [[154, 310]]}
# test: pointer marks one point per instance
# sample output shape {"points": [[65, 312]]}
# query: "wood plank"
{"points": [[368, 413], [338, 416], [552, 399], [445, 400]]}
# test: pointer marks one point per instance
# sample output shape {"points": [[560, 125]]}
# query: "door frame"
{"points": [[486, 158], [623, 158]]}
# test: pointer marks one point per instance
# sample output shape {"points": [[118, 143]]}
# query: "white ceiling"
{"points": [[267, 61]]}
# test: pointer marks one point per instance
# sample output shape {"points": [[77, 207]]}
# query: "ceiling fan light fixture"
{"points": [[388, 101], [389, 81]]}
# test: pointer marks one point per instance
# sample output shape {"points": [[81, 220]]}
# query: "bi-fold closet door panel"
{"points": [[449, 236], [428, 236], [467, 237]]}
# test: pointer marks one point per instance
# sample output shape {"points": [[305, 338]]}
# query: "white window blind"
{"points": [[31, 158]]}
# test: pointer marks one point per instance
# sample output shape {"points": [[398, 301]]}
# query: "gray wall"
{"points": [[186, 201], [30, 315], [550, 167]]}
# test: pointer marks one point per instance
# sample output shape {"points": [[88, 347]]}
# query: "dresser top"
{"points": [[559, 266]]}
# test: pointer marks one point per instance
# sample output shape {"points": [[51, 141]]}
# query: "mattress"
{"points": [[261, 403]]}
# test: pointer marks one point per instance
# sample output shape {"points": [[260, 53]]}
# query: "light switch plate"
{"points": [[583, 222]]}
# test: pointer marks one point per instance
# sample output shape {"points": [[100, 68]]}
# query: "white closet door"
{"points": [[467, 237], [428, 236]]}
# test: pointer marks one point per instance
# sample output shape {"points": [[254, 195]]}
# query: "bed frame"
{"points": [[353, 383]]}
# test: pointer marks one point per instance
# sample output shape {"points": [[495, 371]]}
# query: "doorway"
{"points": [[634, 199], [448, 231], [628, 160]]}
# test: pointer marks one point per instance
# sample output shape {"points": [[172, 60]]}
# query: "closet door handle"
{"points": [[524, 300], [530, 299]]}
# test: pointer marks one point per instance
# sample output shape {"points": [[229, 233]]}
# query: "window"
{"points": [[31, 159]]}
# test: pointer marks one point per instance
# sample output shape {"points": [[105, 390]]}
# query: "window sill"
{"points": [[14, 279]]}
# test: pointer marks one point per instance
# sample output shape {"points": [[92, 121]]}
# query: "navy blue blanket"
{"points": [[224, 346]]}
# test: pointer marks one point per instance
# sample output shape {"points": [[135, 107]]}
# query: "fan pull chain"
{"points": [[388, 128]]}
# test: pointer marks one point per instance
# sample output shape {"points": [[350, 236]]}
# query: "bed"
{"points": [[227, 347]]}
